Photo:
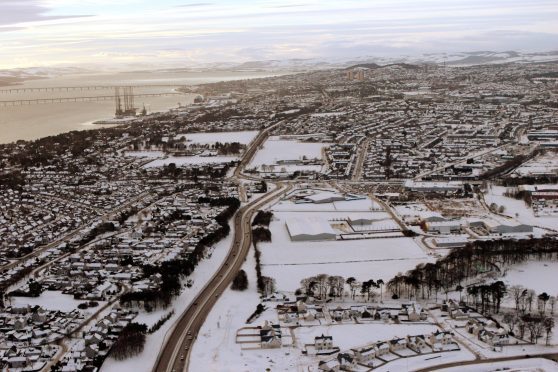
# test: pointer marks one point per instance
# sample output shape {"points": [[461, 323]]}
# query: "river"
{"points": [[34, 121]]}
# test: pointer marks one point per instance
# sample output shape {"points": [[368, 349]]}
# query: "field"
{"points": [[210, 138], [289, 261], [274, 150]]}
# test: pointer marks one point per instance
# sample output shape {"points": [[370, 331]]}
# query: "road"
{"points": [[176, 350], [551, 356]]}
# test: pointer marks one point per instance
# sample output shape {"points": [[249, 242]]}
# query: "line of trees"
{"points": [[461, 264], [131, 341], [262, 218], [323, 286]]}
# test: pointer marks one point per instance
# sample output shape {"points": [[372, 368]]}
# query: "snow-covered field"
{"points": [[52, 300], [539, 276], [180, 160], [154, 342], [210, 138], [518, 210], [275, 149], [290, 261], [145, 154]]}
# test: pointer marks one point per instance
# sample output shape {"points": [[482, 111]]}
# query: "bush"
{"points": [[240, 282]]}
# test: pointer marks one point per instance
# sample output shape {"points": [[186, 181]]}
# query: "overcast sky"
{"points": [[178, 32]]}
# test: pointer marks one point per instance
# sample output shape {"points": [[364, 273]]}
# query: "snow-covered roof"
{"points": [[311, 228]]}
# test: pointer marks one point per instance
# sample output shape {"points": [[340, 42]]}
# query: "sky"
{"points": [[37, 33]]}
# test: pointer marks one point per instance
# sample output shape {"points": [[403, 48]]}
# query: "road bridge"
{"points": [[38, 101]]}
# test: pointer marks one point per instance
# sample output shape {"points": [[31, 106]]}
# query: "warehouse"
{"points": [[309, 229]]}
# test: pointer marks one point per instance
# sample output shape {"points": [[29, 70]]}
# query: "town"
{"points": [[375, 217]]}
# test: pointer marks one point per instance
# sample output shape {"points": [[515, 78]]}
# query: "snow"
{"points": [[275, 149], [210, 138], [289, 262], [524, 365], [180, 160], [154, 342], [145, 154], [216, 349], [539, 276], [425, 361], [517, 209], [52, 300]]}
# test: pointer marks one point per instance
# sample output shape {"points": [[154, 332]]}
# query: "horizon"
{"points": [[174, 33]]}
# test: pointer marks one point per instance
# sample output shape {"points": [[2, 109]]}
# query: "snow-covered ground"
{"points": [[145, 154], [539, 276], [52, 300], [276, 149], [210, 138], [154, 342], [518, 210], [216, 349], [180, 160], [289, 261], [524, 365]]}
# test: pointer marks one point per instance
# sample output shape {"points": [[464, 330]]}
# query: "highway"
{"points": [[178, 344]]}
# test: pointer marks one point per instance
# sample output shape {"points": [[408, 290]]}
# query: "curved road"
{"points": [[176, 351]]}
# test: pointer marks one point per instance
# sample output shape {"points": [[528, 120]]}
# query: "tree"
{"points": [[543, 299], [380, 284], [351, 281], [516, 292], [240, 281], [548, 325], [130, 341], [459, 289]]}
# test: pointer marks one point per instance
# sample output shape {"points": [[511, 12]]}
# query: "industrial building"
{"points": [[309, 229]]}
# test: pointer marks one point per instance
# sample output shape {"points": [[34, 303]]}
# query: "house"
{"points": [[270, 336], [331, 365], [414, 312], [444, 338], [347, 362], [17, 362], [365, 354], [397, 344], [382, 348], [474, 326], [323, 342], [498, 338], [416, 343]]}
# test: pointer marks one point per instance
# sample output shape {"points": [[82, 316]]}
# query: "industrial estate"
{"points": [[368, 218]]}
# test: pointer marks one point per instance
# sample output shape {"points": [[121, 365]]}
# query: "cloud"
{"points": [[21, 11], [194, 5]]}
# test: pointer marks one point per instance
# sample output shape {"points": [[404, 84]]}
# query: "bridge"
{"points": [[25, 102], [84, 88]]}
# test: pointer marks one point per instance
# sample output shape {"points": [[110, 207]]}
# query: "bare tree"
{"points": [[548, 324]]}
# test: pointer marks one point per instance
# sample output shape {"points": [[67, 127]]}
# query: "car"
{"points": [[186, 348], [216, 296], [189, 332], [182, 357], [196, 303], [189, 337]]}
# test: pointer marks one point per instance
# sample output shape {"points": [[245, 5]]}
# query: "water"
{"points": [[35, 121]]}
